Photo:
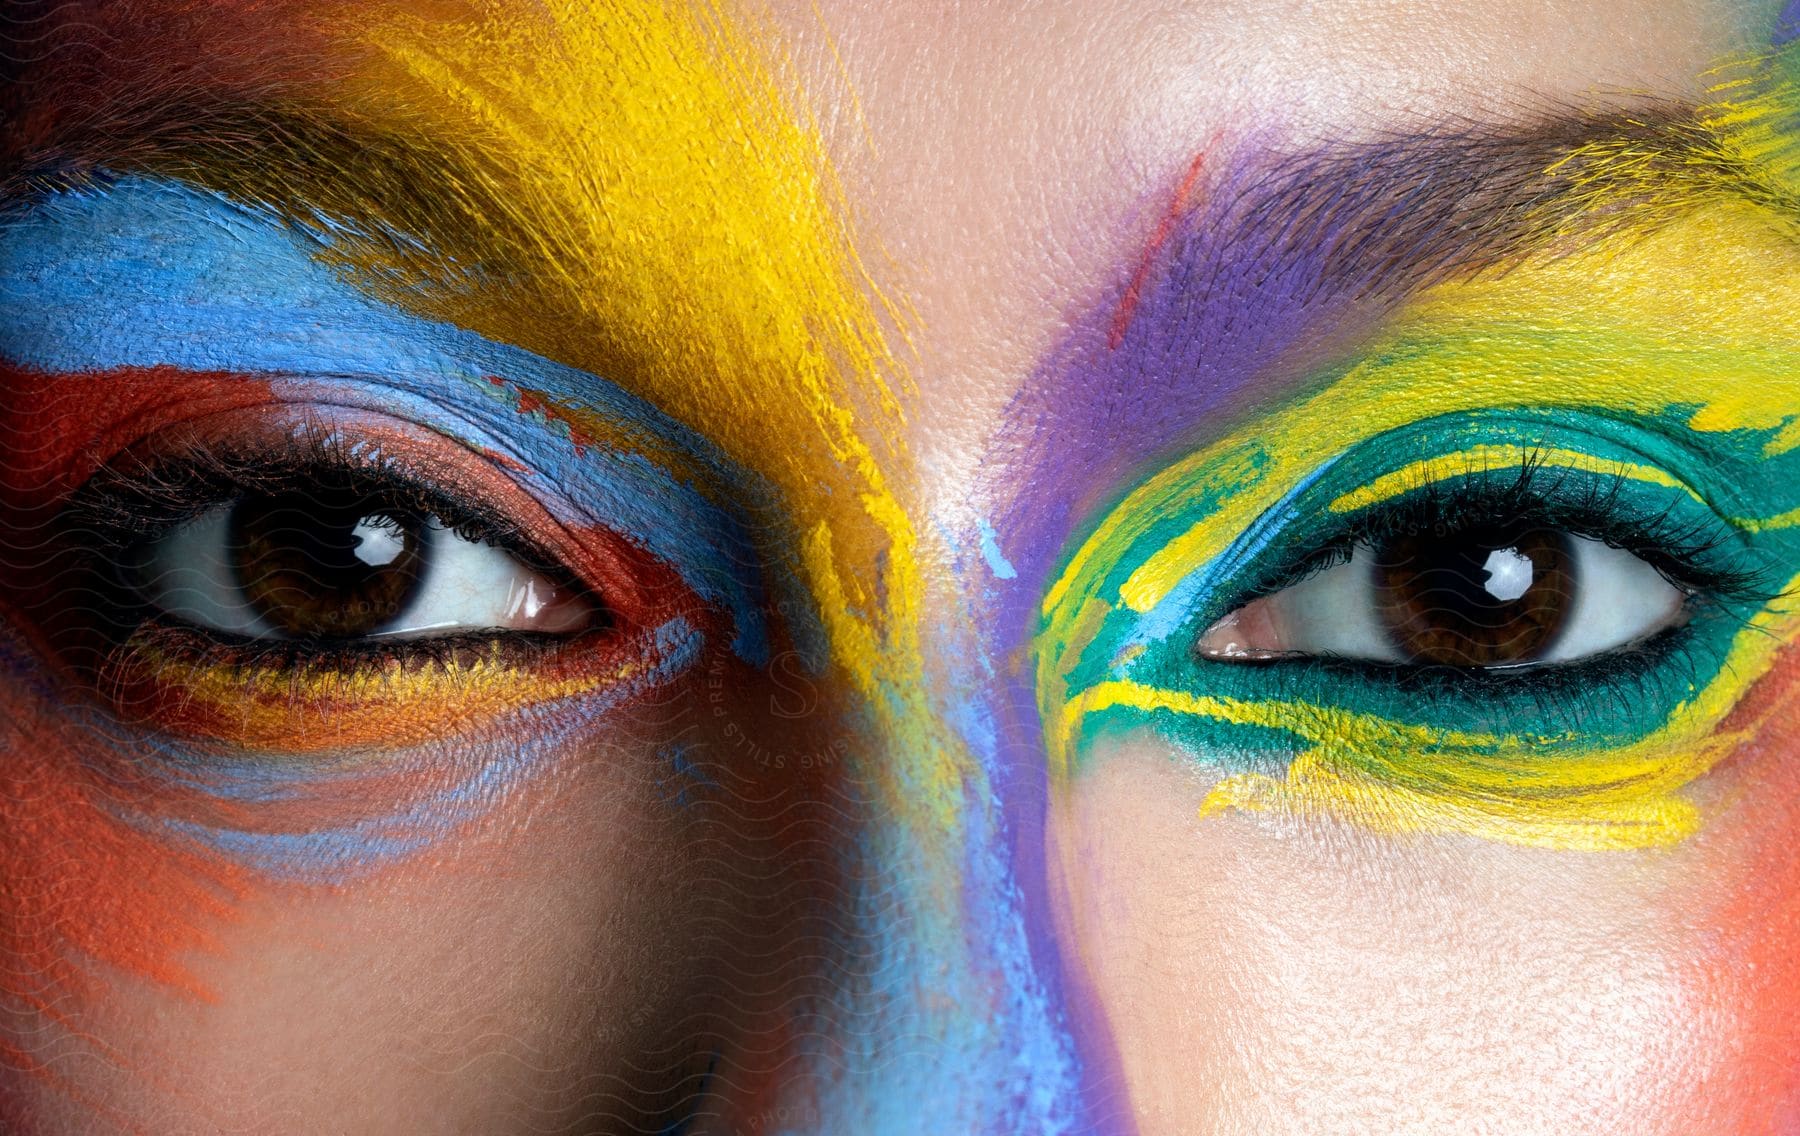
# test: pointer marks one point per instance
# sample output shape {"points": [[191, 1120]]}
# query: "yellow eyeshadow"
{"points": [[1486, 458], [1705, 313], [319, 709], [1591, 799]]}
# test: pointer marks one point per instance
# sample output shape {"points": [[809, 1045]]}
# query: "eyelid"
{"points": [[475, 489], [1593, 758], [1490, 459]]}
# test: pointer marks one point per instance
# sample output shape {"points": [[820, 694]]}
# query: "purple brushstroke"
{"points": [[1253, 262], [1787, 25]]}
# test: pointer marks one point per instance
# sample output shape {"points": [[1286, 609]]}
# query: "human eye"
{"points": [[332, 553], [298, 584], [1519, 624], [1483, 568]]}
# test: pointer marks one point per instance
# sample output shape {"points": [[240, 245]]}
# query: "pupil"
{"points": [[1477, 597], [322, 569]]}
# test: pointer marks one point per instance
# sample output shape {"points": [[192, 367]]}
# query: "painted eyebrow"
{"points": [[1285, 259], [1393, 215]]}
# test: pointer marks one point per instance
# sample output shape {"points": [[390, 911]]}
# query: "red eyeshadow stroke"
{"points": [[86, 889], [57, 428], [1178, 207]]}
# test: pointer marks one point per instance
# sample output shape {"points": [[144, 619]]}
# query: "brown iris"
{"points": [[1477, 597], [319, 568]]}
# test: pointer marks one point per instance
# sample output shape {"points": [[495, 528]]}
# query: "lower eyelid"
{"points": [[179, 683], [226, 696]]}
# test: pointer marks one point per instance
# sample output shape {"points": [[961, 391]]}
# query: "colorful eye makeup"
{"points": [[532, 367], [642, 204], [1524, 618], [305, 588]]}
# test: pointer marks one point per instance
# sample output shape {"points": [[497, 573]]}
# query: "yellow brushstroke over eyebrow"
{"points": [[651, 202], [1705, 313], [1675, 306], [1488, 458]]}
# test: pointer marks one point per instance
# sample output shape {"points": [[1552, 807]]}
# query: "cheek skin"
{"points": [[1752, 906], [435, 997], [1312, 977], [580, 952]]}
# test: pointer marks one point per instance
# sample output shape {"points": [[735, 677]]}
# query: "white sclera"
{"points": [[1619, 599], [468, 585]]}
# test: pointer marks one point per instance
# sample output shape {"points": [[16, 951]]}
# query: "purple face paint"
{"points": [[1261, 269], [1787, 25]]}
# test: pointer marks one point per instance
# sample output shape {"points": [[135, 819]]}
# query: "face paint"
{"points": [[224, 780], [1583, 366], [244, 296], [727, 295], [709, 271], [1587, 364], [1267, 357]]}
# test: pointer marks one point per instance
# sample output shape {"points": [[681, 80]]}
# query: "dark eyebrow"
{"points": [[1395, 214], [235, 101], [1461, 196], [1287, 258], [1370, 219]]}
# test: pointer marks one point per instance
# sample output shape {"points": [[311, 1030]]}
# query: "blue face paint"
{"points": [[997, 562], [151, 273], [481, 775]]}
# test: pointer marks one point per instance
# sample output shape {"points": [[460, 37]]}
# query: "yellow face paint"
{"points": [[642, 198], [1677, 350]]}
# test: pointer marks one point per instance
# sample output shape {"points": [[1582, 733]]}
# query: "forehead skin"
{"points": [[1005, 157]]}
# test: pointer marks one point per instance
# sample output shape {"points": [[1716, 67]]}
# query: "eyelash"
{"points": [[140, 498], [126, 504], [1701, 555]]}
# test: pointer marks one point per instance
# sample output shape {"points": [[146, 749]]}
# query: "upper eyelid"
{"points": [[1162, 578], [1626, 434], [1484, 458], [66, 305]]}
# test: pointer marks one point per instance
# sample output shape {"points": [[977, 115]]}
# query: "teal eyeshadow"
{"points": [[1611, 700]]}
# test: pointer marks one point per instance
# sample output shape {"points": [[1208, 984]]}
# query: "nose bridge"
{"points": [[963, 1017]]}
